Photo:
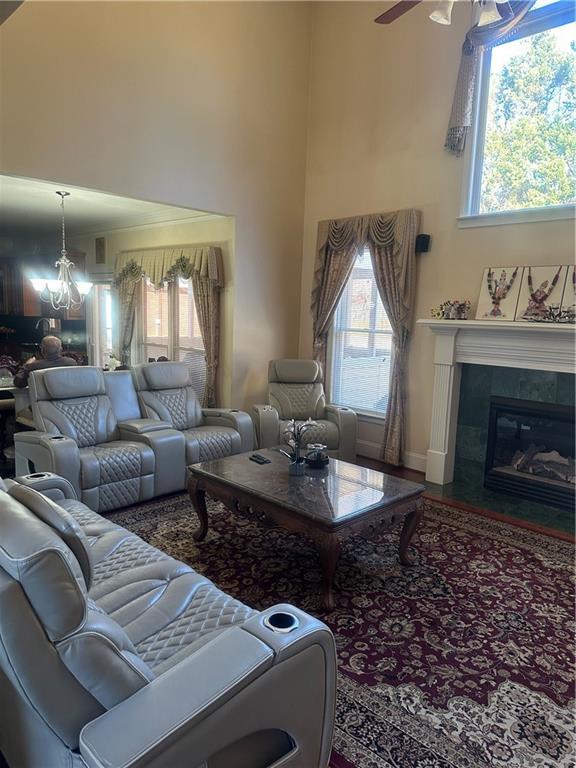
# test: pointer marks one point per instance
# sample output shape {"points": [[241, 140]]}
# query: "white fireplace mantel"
{"points": [[540, 347]]}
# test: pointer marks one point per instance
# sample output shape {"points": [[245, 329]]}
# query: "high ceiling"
{"points": [[33, 206]]}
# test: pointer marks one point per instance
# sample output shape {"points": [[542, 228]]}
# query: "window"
{"points": [[361, 344], [169, 328], [522, 150], [101, 324]]}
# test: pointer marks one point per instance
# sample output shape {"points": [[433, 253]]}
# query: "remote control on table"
{"points": [[259, 459]]}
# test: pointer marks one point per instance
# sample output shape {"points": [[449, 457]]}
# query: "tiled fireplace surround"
{"points": [[474, 360]]}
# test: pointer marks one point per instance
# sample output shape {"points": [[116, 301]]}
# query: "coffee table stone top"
{"points": [[333, 495]]}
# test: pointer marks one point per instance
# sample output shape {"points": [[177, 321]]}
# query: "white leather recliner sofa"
{"points": [[296, 391], [90, 430], [113, 654], [166, 394]]}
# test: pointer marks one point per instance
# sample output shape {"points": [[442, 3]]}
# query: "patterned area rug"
{"points": [[463, 660]]}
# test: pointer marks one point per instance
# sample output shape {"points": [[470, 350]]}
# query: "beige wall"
{"points": [[380, 98], [218, 230], [205, 105], [195, 104]]}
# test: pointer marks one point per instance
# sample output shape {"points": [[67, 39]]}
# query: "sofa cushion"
{"points": [[206, 612], [113, 462], [33, 554], [294, 371], [61, 385], [166, 375], [60, 521], [205, 443]]}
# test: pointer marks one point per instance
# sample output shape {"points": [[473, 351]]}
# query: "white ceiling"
{"points": [[28, 204]]}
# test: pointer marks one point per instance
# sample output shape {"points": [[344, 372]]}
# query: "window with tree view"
{"points": [[361, 344], [525, 149]]}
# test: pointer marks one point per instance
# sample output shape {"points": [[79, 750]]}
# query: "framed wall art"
{"points": [[499, 293], [541, 294]]}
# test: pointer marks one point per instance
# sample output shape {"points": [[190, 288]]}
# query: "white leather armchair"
{"points": [[296, 391]]}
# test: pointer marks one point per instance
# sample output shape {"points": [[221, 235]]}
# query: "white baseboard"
{"points": [[374, 451]]}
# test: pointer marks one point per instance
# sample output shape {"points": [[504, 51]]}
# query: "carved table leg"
{"points": [[198, 498], [329, 548], [410, 524]]}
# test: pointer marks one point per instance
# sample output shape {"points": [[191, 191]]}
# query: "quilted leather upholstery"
{"points": [[178, 407], [205, 443], [209, 611], [131, 553], [298, 401], [116, 474], [106, 472], [325, 432]]}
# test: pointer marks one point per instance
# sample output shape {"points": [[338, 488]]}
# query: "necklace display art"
{"points": [[537, 309], [498, 290]]}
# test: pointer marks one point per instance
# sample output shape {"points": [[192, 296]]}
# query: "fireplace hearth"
{"points": [[530, 451]]}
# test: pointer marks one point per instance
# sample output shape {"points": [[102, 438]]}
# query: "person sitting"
{"points": [[50, 357]]}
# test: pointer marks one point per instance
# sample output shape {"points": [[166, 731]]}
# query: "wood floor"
{"points": [[437, 495]]}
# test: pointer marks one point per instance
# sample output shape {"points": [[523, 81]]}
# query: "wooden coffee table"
{"points": [[325, 505]]}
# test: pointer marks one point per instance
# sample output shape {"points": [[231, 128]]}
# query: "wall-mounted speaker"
{"points": [[422, 243]]}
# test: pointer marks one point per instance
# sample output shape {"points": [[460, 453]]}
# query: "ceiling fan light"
{"points": [[442, 14], [486, 12]]}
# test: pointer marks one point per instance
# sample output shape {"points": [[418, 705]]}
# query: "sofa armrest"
{"points": [[347, 423], [169, 446], [45, 452], [139, 730], [50, 485], [249, 679], [238, 420], [267, 423], [141, 426]]}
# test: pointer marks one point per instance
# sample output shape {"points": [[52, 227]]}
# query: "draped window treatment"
{"points": [[391, 239], [203, 265], [477, 39]]}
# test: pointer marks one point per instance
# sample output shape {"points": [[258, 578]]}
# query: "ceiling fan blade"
{"points": [[396, 11]]}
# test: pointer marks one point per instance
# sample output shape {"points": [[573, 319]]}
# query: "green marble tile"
{"points": [[566, 389], [505, 382], [538, 385], [471, 443], [563, 521]]}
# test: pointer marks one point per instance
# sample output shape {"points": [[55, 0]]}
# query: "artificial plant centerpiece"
{"points": [[294, 437]]}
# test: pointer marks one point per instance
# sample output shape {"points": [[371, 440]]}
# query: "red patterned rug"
{"points": [[464, 660]]}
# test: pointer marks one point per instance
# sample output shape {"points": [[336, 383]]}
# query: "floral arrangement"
{"points": [[452, 309], [113, 362], [294, 435]]}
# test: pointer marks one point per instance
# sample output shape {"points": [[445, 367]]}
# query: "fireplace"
{"points": [[530, 451]]}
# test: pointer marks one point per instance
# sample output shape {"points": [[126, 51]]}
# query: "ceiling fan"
{"points": [[485, 11]]}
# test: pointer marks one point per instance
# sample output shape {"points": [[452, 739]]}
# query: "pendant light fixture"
{"points": [[63, 292]]}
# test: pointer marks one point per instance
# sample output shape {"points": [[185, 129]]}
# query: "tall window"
{"points": [[169, 328], [101, 324], [523, 152], [361, 344]]}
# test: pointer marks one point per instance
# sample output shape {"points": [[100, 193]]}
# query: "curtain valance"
{"points": [[162, 264]]}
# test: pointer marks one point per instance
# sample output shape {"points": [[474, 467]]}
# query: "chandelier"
{"points": [[63, 292]]}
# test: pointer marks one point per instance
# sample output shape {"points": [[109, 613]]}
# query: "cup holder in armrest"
{"points": [[57, 437], [38, 475], [282, 622]]}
